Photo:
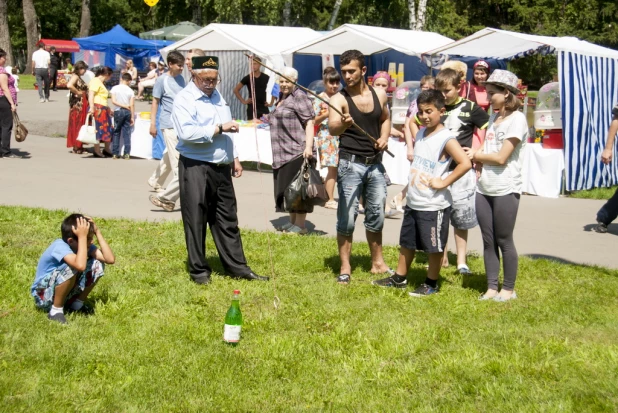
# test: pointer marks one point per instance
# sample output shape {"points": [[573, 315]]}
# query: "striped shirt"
{"points": [[287, 127]]}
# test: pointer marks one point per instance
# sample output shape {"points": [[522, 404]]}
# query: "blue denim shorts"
{"points": [[353, 181]]}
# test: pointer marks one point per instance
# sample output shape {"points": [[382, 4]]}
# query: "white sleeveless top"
{"points": [[426, 166], [500, 180]]}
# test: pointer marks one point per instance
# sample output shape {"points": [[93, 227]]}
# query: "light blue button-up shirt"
{"points": [[195, 117]]}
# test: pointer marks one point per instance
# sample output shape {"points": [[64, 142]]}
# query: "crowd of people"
{"points": [[465, 145]]}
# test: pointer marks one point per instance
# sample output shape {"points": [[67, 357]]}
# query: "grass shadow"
{"points": [[559, 260], [611, 228], [362, 262]]}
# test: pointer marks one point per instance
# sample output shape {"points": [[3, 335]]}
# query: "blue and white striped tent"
{"points": [[588, 76]]}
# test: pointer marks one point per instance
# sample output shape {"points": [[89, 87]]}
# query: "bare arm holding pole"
{"points": [[347, 122]]}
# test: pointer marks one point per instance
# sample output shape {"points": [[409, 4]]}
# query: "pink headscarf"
{"points": [[383, 75]]}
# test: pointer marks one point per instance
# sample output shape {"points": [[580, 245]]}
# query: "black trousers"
{"points": [[53, 77], [6, 126], [207, 197], [261, 110]]}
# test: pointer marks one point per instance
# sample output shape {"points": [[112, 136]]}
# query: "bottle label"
{"points": [[231, 334]]}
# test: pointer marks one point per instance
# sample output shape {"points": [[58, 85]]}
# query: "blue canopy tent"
{"points": [[103, 49]]}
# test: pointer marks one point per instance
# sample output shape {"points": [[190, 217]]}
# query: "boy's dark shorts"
{"points": [[425, 230]]}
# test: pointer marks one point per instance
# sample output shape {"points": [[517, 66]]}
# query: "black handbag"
{"points": [[296, 197], [315, 187]]}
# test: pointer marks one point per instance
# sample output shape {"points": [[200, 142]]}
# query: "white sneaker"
{"points": [[154, 185], [47, 100], [41, 100]]}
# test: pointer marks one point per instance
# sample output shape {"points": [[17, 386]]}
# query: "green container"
{"points": [[233, 321]]}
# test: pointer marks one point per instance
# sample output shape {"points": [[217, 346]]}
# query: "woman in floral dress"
{"points": [[78, 106], [328, 146]]}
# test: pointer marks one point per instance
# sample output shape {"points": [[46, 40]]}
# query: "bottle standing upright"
{"points": [[233, 321]]}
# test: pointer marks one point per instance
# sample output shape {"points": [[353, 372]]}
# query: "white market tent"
{"points": [[231, 41], [370, 40], [502, 44], [588, 76], [381, 45]]}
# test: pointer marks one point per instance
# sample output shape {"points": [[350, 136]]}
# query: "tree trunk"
{"points": [[333, 17], [421, 14], [197, 13], [412, 15], [5, 36], [32, 30], [287, 12], [86, 23]]}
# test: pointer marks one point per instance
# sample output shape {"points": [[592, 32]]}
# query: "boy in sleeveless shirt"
{"points": [[360, 171], [428, 203]]}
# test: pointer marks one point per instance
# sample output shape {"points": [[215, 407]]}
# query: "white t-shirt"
{"points": [[122, 94], [426, 166], [88, 76], [41, 59], [499, 180]]}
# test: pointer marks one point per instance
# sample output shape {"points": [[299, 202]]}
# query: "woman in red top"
{"points": [[476, 90]]}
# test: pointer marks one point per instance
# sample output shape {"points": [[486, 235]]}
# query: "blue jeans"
{"points": [[122, 120], [353, 181]]}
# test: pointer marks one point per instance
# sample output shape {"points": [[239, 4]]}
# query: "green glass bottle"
{"points": [[233, 321]]}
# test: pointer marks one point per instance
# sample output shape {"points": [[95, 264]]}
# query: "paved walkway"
{"points": [[52, 177]]}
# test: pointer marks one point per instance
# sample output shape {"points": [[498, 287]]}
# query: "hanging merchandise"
{"points": [[400, 75]]}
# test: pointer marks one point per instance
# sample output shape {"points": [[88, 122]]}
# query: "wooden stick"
{"points": [[374, 140]]}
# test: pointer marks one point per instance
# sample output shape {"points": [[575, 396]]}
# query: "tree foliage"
{"points": [[592, 20]]}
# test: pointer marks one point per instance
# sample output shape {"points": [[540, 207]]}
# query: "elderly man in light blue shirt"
{"points": [[207, 160]]}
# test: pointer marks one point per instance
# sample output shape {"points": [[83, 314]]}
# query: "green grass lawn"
{"points": [[155, 342], [595, 193], [26, 82]]}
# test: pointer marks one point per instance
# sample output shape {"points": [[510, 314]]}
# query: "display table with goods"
{"points": [[62, 80], [250, 149], [398, 167], [141, 139], [542, 170]]}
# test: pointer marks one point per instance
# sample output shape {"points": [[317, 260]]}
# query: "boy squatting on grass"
{"points": [[428, 203], [70, 267]]}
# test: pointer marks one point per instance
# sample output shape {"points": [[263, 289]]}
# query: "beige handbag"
{"points": [[20, 130]]}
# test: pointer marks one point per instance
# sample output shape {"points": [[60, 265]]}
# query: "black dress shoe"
{"points": [[202, 280], [253, 277]]}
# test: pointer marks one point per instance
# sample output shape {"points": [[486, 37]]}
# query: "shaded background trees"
{"points": [[592, 20]]}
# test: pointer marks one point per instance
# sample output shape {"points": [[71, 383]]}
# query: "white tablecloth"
{"points": [[542, 170], [397, 168], [250, 150], [141, 140]]}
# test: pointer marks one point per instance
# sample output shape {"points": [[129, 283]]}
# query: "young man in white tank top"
{"points": [[428, 203]]}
